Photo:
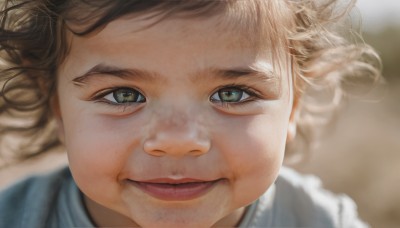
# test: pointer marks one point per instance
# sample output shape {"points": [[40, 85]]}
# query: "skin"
{"points": [[181, 130]]}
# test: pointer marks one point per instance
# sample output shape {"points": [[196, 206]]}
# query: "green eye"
{"points": [[229, 95], [125, 95]]}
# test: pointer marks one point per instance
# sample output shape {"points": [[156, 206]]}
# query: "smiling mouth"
{"points": [[175, 190]]}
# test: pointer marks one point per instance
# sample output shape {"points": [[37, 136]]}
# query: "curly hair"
{"points": [[33, 45]]}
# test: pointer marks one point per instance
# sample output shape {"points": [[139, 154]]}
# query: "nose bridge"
{"points": [[176, 131], [175, 118]]}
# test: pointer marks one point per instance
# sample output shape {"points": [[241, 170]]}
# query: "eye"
{"points": [[230, 95], [125, 95]]}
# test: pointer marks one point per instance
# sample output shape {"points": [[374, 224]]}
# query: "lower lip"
{"points": [[176, 192]]}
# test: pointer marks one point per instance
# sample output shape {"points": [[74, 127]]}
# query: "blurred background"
{"points": [[361, 156]]}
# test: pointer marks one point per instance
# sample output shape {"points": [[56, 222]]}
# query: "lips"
{"points": [[175, 190]]}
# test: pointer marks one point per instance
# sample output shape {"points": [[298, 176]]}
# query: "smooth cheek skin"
{"points": [[253, 156], [175, 133]]}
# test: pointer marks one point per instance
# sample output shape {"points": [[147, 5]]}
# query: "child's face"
{"points": [[173, 126]]}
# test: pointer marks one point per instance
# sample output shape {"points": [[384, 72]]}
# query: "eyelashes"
{"points": [[120, 96], [125, 95], [234, 94]]}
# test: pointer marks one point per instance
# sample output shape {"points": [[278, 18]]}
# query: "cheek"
{"points": [[98, 148], [254, 153]]}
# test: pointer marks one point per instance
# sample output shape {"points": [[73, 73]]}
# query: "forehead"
{"points": [[249, 27], [184, 42], [262, 22], [148, 34]]}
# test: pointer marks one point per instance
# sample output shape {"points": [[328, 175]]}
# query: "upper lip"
{"points": [[174, 180]]}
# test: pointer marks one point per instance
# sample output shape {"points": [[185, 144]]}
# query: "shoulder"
{"points": [[310, 201], [29, 201], [300, 200]]}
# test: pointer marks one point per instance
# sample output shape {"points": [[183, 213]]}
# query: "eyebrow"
{"points": [[227, 74], [102, 69], [245, 72]]}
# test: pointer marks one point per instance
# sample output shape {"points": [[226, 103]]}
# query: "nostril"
{"points": [[152, 149], [159, 148], [157, 153], [196, 152]]}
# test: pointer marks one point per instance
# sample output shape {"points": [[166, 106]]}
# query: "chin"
{"points": [[177, 218], [177, 223]]}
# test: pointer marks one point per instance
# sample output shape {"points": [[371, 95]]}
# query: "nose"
{"points": [[176, 137]]}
